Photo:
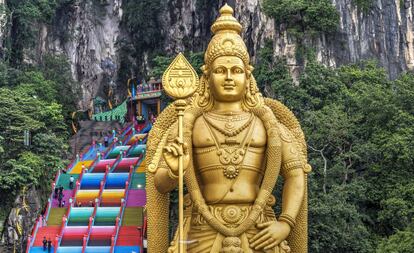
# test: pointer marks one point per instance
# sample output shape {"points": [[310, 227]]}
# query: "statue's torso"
{"points": [[219, 182]]}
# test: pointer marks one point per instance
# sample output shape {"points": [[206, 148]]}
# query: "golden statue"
{"points": [[233, 147]]}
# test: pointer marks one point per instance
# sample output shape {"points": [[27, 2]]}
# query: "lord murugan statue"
{"points": [[235, 144]]}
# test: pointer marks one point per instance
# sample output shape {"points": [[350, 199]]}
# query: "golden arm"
{"points": [[294, 178]]}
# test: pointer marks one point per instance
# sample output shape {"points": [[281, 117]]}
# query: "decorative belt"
{"points": [[231, 215]]}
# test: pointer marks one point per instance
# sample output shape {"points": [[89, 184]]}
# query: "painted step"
{"points": [[136, 197], [138, 181], [133, 216], [127, 249], [129, 236], [55, 216], [48, 232], [64, 180], [67, 194]]}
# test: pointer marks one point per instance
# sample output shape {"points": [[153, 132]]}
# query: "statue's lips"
{"points": [[229, 86]]}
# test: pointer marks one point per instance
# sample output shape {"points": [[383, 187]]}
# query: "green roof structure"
{"points": [[116, 114]]}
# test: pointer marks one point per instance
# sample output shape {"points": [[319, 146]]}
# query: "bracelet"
{"points": [[288, 219]]}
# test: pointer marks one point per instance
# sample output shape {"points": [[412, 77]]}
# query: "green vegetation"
{"points": [[359, 129], [303, 20], [303, 16], [31, 100], [25, 16]]}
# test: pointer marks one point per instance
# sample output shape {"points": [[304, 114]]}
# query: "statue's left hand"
{"points": [[272, 234]]}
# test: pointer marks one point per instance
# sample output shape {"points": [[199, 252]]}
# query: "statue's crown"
{"points": [[226, 22], [226, 40]]}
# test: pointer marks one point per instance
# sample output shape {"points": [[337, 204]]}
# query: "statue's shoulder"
{"points": [[287, 121], [282, 113]]}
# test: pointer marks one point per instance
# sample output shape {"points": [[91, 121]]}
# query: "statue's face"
{"points": [[228, 79]]}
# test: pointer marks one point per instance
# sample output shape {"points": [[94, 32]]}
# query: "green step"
{"points": [[64, 180], [138, 179], [132, 216], [55, 216]]}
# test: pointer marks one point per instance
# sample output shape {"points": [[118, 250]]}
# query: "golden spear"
{"points": [[180, 81]]}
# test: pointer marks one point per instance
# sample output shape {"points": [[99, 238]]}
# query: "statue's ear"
{"points": [[205, 70], [249, 70]]}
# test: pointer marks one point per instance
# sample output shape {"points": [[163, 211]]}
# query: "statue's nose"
{"points": [[228, 75]]}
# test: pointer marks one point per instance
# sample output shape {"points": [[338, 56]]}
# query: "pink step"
{"points": [[66, 195], [136, 197]]}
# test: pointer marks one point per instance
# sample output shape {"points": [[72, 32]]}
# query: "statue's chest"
{"points": [[232, 134]]}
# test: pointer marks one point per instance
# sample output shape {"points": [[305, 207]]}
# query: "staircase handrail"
{"points": [[50, 199], [126, 130], [84, 243], [95, 210], [95, 161], [60, 234], [114, 237], [79, 157], [122, 211], [81, 176], [127, 186], [117, 161], [32, 237], [112, 244], [90, 224], [131, 147], [102, 185], [126, 138], [77, 188], [29, 244], [109, 149]]}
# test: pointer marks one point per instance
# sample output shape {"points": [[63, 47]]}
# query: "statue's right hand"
{"points": [[172, 152]]}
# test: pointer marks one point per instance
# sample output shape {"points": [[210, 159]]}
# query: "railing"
{"points": [[32, 237], [127, 129], [49, 201], [114, 238], [80, 177], [60, 234], [118, 223], [123, 206], [110, 148], [84, 243], [77, 188], [102, 185], [79, 157], [117, 161], [29, 243], [95, 209], [90, 224], [95, 161]]}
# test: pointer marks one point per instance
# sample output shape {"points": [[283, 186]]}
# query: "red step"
{"points": [[49, 232], [129, 236]]}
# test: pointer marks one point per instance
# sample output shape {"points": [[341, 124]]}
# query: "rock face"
{"points": [[86, 32], [3, 19], [19, 223], [92, 28], [385, 32]]}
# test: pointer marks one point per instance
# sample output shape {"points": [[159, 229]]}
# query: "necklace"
{"points": [[231, 156], [229, 126], [229, 117]]}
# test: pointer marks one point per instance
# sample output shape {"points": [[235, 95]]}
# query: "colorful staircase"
{"points": [[103, 213]]}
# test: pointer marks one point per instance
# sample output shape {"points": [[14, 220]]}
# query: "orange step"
{"points": [[48, 232]]}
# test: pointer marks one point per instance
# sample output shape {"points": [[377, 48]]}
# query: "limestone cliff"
{"points": [[92, 29], [91, 33]]}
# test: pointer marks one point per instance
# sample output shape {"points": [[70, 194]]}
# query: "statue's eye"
{"points": [[238, 71], [219, 71]]}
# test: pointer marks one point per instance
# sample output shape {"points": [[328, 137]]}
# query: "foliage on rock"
{"points": [[358, 126]]}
